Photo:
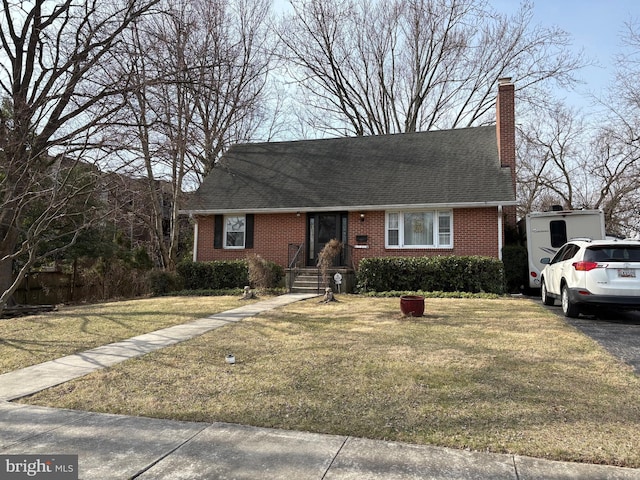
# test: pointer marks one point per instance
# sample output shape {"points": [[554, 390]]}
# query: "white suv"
{"points": [[598, 272]]}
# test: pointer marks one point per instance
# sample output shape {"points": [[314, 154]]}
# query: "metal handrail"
{"points": [[293, 262], [347, 255]]}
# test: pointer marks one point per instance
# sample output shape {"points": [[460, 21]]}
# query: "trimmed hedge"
{"points": [[444, 273], [163, 283], [434, 294], [222, 275], [216, 275]]}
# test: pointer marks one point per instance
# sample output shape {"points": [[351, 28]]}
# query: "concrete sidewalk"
{"points": [[123, 447]]}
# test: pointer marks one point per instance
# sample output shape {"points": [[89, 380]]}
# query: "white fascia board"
{"points": [[351, 208]]}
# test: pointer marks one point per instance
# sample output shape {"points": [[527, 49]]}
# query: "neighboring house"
{"points": [[447, 192], [132, 213]]}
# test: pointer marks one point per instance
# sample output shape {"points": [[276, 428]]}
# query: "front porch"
{"points": [[302, 278]]}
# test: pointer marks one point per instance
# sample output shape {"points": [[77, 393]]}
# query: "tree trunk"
{"points": [[6, 266]]}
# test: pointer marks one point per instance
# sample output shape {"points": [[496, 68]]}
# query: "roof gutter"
{"points": [[342, 208]]}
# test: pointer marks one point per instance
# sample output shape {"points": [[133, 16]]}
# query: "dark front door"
{"points": [[322, 227]]}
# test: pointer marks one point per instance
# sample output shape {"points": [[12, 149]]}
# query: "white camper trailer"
{"points": [[546, 232]]}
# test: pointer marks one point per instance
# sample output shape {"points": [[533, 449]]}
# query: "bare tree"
{"points": [[552, 152], [615, 170], [55, 82], [616, 161], [565, 161], [375, 67], [201, 69]]}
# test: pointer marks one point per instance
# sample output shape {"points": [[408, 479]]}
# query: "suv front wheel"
{"points": [[569, 308]]}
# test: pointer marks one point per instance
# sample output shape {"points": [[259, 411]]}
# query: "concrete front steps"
{"points": [[309, 280]]}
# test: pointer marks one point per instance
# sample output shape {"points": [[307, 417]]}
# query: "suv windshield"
{"points": [[613, 253]]}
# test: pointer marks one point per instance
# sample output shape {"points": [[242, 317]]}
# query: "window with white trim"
{"points": [[419, 229], [234, 231]]}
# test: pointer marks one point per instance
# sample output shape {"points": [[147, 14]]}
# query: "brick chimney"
{"points": [[506, 125], [506, 132]]}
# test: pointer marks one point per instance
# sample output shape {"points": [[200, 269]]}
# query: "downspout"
{"points": [[500, 232], [195, 241]]}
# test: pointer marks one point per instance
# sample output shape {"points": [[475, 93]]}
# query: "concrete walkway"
{"points": [[32, 379], [123, 447]]}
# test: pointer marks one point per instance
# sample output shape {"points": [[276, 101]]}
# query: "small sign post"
{"points": [[338, 279]]}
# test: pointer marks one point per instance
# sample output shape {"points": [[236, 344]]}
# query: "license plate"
{"points": [[627, 273]]}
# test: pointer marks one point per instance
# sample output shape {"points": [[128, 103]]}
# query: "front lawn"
{"points": [[489, 375], [26, 341]]}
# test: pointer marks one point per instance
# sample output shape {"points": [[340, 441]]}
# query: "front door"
{"points": [[321, 228]]}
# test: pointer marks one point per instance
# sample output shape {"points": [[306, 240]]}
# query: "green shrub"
{"points": [[432, 294], [223, 275], [278, 275], [162, 282], [516, 267], [218, 275], [233, 292], [141, 259], [445, 273]]}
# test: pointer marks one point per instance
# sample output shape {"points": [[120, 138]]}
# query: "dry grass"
{"points": [[30, 340], [489, 375]]}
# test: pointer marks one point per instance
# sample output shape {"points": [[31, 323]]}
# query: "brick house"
{"points": [[446, 192]]}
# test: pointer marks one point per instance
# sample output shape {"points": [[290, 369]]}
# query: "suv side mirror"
{"points": [[545, 260]]}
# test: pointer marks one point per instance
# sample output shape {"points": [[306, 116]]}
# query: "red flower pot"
{"points": [[412, 305]]}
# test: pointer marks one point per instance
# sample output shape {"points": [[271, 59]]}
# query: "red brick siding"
{"points": [[272, 235], [204, 241], [474, 233]]}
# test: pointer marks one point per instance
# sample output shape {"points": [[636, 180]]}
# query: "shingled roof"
{"points": [[429, 169]]}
